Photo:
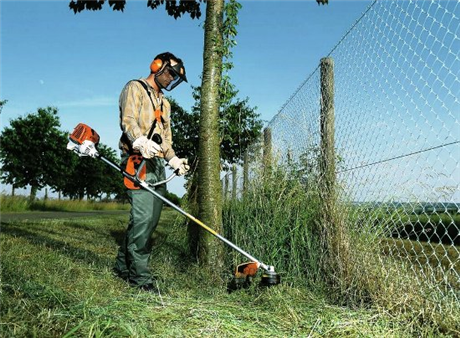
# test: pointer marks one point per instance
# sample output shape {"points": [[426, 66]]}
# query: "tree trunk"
{"points": [[226, 185], [210, 250], [33, 192], [193, 229]]}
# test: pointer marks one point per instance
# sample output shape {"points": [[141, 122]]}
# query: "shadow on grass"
{"points": [[61, 247], [164, 244]]}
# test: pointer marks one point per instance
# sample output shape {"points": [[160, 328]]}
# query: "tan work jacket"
{"points": [[137, 116]]}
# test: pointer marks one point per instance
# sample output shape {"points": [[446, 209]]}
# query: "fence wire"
{"points": [[397, 133]]}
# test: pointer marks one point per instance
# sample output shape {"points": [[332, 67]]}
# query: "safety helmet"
{"points": [[162, 63]]}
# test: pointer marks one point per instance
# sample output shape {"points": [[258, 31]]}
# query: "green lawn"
{"points": [[56, 281]]}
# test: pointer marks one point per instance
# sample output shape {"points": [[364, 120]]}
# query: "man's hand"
{"points": [[147, 148], [87, 148], [180, 165]]}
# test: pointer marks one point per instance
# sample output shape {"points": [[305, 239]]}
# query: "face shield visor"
{"points": [[176, 72]]}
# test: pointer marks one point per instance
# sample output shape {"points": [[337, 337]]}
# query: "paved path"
{"points": [[37, 215]]}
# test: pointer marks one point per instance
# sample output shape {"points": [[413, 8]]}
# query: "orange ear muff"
{"points": [[156, 65]]}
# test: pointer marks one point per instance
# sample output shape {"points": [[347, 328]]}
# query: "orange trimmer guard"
{"points": [[248, 269]]}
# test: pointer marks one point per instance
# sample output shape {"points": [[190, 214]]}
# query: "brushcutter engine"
{"points": [[83, 141]]}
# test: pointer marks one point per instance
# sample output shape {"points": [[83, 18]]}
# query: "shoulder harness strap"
{"points": [[158, 112]]}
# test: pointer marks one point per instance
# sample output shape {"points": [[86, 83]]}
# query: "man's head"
{"points": [[168, 71]]}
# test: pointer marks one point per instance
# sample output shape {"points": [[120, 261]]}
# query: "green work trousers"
{"points": [[134, 254]]}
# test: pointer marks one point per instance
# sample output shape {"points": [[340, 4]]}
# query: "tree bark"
{"points": [[33, 192], [210, 250]]}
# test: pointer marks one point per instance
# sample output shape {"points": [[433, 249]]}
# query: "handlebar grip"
{"points": [[157, 138]]}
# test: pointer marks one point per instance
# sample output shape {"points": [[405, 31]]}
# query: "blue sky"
{"points": [[79, 63]]}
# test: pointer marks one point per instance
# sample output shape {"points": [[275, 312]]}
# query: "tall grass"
{"points": [[386, 276], [274, 220], [22, 204], [277, 219]]}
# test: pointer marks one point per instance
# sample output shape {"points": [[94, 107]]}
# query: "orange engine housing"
{"points": [[83, 132]]}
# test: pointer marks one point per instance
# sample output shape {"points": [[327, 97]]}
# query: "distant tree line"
{"points": [[33, 153]]}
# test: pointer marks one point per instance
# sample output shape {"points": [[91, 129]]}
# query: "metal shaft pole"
{"points": [[186, 214]]}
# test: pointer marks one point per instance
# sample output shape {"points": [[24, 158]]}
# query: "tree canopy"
{"points": [[173, 7], [28, 152]]}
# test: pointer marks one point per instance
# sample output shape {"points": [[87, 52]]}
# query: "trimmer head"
{"points": [[245, 273], [270, 277]]}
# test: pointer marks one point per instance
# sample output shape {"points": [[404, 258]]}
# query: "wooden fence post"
{"points": [[333, 232], [234, 182], [245, 172], [267, 152], [327, 120]]}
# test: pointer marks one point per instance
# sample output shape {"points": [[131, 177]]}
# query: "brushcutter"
{"points": [[84, 140]]}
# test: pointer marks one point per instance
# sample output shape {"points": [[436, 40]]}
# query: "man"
{"points": [[144, 111]]}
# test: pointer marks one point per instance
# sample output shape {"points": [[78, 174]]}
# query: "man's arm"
{"points": [[129, 111], [166, 145]]}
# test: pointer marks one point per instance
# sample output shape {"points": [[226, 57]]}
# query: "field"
{"points": [[56, 281]]}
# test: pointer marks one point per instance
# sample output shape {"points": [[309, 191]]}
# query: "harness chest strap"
{"points": [[157, 112]]}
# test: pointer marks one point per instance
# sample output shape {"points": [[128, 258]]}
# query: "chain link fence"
{"points": [[397, 135]]}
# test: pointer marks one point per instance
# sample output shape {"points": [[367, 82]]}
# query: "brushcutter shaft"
{"points": [[223, 239], [204, 226], [186, 214]]}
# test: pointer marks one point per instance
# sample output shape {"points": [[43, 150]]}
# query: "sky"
{"points": [[80, 62]]}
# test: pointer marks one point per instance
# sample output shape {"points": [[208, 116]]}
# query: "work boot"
{"points": [[119, 274], [149, 287]]}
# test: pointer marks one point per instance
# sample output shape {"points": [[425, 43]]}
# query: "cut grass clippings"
{"points": [[57, 281]]}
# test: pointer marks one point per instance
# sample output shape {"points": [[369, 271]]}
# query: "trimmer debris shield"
{"points": [[245, 270]]}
